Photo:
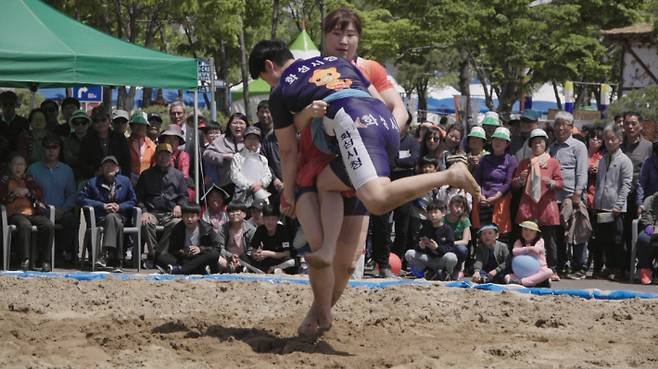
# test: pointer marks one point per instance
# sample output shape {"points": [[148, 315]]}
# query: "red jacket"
{"points": [[546, 211]]}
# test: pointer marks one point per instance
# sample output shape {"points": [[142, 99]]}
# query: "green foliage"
{"points": [[644, 101]]}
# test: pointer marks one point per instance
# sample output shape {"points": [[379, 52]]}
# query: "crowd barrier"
{"points": [[585, 294]]}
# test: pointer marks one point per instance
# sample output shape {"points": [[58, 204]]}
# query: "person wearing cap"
{"points": [[531, 243], [29, 139], [495, 178], [220, 153], [264, 118], [11, 124], [271, 247], [179, 159], [213, 208], [519, 145], [193, 245], [161, 191], [142, 149], [574, 164], [51, 109], [120, 120], [477, 139], [492, 257], [250, 186], [490, 123], [113, 198], [80, 122], [155, 122], [539, 178], [235, 238], [69, 106], [57, 182], [100, 142]]}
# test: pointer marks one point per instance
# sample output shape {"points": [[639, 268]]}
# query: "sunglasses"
{"points": [[434, 138]]}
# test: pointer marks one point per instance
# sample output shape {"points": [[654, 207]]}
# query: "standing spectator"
{"points": [[51, 109], [647, 241], [436, 254], [595, 151], [490, 124], [161, 190], [235, 238], [519, 145], [495, 178], [11, 124], [477, 138], [120, 120], [531, 243], [69, 106], [264, 118], [214, 211], [451, 145], [179, 159], [101, 142], [492, 257], [22, 197], [177, 114], [80, 121], [220, 153], [271, 246], [154, 128], [430, 143], [57, 183], [270, 149], [249, 171], [112, 197], [573, 159], [613, 184], [539, 178], [29, 139], [210, 131], [193, 246], [142, 149]]}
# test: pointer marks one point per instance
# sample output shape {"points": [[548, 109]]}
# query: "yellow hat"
{"points": [[164, 147], [529, 224]]}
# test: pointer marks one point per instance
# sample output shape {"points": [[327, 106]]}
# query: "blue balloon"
{"points": [[525, 265]]}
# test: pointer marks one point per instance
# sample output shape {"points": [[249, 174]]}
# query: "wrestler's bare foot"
{"points": [[309, 326], [324, 321], [321, 258], [460, 176]]}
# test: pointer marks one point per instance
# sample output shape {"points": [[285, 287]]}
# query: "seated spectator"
{"points": [[29, 139], [214, 211], [193, 245], [51, 109], [271, 246], [436, 254], [492, 258], [531, 244], [255, 215], [113, 198], [235, 238], [100, 142], [142, 149], [22, 197], [613, 184], [120, 120], [540, 179], [457, 219], [161, 190], [11, 124], [154, 128], [647, 240], [69, 106], [250, 172], [220, 153], [71, 151], [647, 183], [59, 190]]}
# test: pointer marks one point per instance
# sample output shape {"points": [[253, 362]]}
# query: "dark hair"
{"points": [[190, 208], [409, 119], [71, 101], [632, 114], [428, 160], [263, 104], [9, 95], [34, 111], [429, 132], [341, 18], [461, 200], [48, 102], [51, 138], [236, 206], [275, 51], [596, 131], [233, 117], [436, 205], [271, 211]]}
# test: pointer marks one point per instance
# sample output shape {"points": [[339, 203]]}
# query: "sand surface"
{"points": [[57, 323]]}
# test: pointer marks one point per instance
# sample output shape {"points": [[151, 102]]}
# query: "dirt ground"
{"points": [[58, 323]]}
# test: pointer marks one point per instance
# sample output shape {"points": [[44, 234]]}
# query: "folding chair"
{"points": [[634, 231], [9, 229], [95, 233]]}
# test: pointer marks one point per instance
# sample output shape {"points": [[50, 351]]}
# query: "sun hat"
{"points": [[502, 133], [488, 226], [478, 132], [139, 118], [164, 147], [120, 114], [252, 130], [172, 130], [530, 115], [529, 224], [537, 132], [79, 114]]}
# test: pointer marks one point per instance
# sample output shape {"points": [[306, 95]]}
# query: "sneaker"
{"points": [[578, 275], [117, 270], [101, 263], [386, 273], [645, 276], [25, 265], [46, 267], [161, 270]]}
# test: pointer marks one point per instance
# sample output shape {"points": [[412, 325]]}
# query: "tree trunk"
{"points": [[245, 75], [275, 17], [147, 92], [107, 98], [421, 90], [224, 98], [322, 14], [465, 83], [557, 95]]}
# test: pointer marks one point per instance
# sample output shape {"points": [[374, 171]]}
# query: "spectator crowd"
{"points": [[556, 201]]}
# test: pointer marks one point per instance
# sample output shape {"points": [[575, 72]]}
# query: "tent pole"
{"points": [[213, 104], [196, 145]]}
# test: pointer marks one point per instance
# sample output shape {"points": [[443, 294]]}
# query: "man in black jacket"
{"points": [[193, 245], [100, 142]]}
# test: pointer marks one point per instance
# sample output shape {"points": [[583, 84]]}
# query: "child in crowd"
{"points": [[531, 244], [457, 219], [435, 254], [214, 209], [426, 164], [491, 257], [271, 246], [250, 172]]}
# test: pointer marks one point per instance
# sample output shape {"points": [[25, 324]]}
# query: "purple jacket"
{"points": [[495, 173], [647, 183]]}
